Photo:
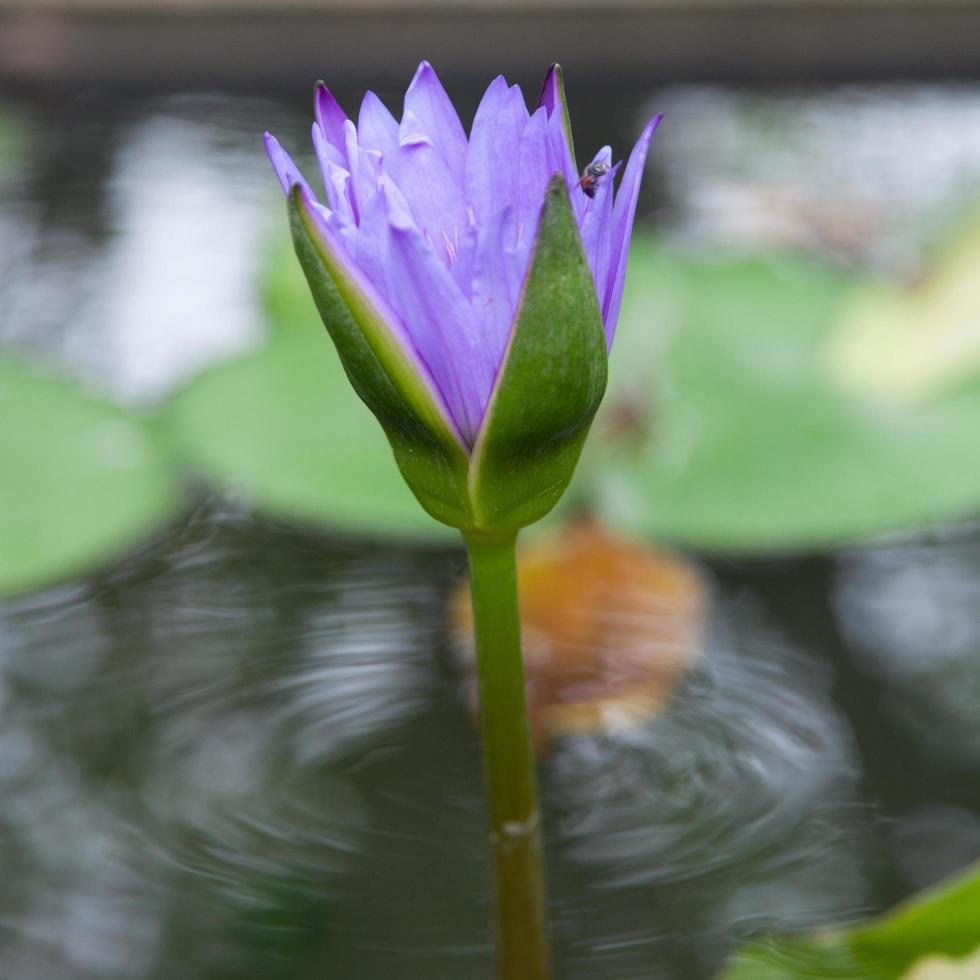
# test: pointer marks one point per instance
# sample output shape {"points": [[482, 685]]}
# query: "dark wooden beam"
{"points": [[601, 45]]}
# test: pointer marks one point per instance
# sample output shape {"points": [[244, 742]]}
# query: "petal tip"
{"points": [[287, 171], [327, 110], [320, 93], [552, 87], [423, 71]]}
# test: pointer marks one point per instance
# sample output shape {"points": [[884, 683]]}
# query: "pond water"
{"points": [[244, 748]]}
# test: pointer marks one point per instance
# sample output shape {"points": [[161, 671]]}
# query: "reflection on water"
{"points": [[934, 840], [859, 171], [167, 744], [248, 745], [140, 231], [910, 615], [735, 809]]}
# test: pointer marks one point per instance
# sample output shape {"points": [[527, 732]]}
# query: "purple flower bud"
{"points": [[434, 233]]}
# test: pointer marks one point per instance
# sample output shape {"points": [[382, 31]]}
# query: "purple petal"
{"points": [[551, 90], [435, 197], [534, 171], [365, 170], [359, 292], [561, 158], [335, 175], [552, 97], [377, 129], [463, 257], [440, 320], [493, 159], [330, 116], [287, 171], [624, 210], [498, 273], [427, 100], [411, 132], [372, 245], [596, 223]]}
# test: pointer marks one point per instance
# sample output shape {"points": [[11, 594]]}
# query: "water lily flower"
{"points": [[471, 285]]}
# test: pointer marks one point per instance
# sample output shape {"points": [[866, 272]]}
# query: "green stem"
{"points": [[508, 761]]}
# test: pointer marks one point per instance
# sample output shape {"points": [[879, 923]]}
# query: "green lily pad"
{"points": [[755, 441], [283, 427], [82, 479], [942, 920], [936, 934], [818, 959]]}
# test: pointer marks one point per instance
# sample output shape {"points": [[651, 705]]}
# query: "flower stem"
{"points": [[508, 760]]}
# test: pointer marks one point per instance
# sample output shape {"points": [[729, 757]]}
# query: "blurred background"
{"points": [[235, 717]]}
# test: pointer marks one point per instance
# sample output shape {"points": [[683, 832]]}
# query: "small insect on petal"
{"points": [[591, 175]]}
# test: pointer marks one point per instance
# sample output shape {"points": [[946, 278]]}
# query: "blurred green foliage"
{"points": [[941, 923], [745, 414], [282, 427], [755, 442], [83, 479], [728, 425]]}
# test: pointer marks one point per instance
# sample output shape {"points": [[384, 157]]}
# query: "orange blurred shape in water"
{"points": [[609, 627]]}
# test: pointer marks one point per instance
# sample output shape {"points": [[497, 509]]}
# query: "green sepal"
{"points": [[550, 385], [431, 458]]}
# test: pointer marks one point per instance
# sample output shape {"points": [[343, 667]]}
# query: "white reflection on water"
{"points": [[181, 271], [153, 269], [858, 170], [365, 664]]}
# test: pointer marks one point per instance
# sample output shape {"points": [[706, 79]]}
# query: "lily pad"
{"points": [[283, 427], [826, 958], [943, 920], [83, 479], [934, 935], [754, 442]]}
